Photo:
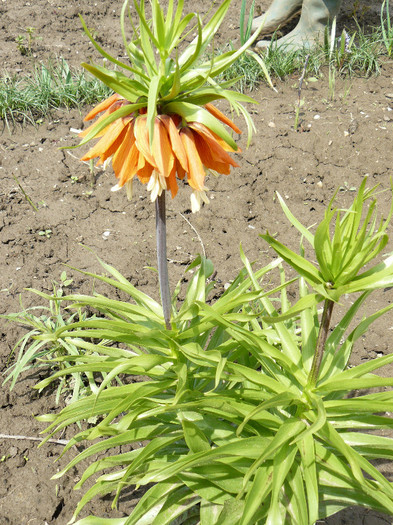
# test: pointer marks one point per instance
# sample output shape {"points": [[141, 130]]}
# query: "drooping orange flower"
{"points": [[179, 149]]}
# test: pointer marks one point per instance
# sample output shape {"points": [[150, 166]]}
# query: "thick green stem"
{"points": [[321, 342], [162, 259]]}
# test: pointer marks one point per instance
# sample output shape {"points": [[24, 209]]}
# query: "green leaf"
{"points": [[299, 263], [282, 463], [294, 221], [306, 448], [93, 520], [151, 502], [304, 303], [231, 513], [260, 489], [175, 505], [154, 88], [209, 512], [332, 346], [101, 50], [129, 89], [286, 399], [194, 113], [289, 429], [207, 33]]}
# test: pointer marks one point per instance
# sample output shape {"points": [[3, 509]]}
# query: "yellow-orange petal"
{"points": [[141, 161], [109, 143], [129, 168], [196, 172], [116, 105], [181, 173], [125, 159], [208, 132], [102, 106], [176, 143], [216, 149], [161, 149], [172, 182], [142, 139], [144, 174], [220, 116], [208, 159]]}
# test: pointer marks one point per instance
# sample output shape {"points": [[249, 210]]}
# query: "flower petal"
{"points": [[220, 116], [142, 139], [144, 173], [181, 173], [176, 143], [161, 149], [212, 143], [207, 157], [196, 172], [109, 143], [105, 104], [172, 182]]}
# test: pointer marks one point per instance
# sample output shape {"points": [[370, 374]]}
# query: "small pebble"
{"points": [[13, 451], [271, 125]]}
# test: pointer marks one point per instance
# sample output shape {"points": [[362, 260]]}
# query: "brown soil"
{"points": [[340, 141]]}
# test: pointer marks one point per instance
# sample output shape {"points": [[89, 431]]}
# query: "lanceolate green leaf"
{"points": [[154, 88], [260, 488], [301, 265], [208, 32], [101, 50], [306, 302], [306, 448], [295, 222], [127, 88], [194, 113], [119, 113], [92, 520], [282, 463]]}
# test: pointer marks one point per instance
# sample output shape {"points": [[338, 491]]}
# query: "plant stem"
{"points": [[322, 336], [162, 259]]}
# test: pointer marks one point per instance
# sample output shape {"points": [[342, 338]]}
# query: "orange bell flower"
{"points": [[179, 149]]}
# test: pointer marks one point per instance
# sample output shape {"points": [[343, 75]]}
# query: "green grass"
{"points": [[366, 53], [31, 98]]}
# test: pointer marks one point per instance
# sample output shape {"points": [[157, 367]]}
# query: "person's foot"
{"points": [[296, 39], [278, 15], [314, 17]]}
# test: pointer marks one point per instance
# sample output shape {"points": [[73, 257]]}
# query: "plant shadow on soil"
{"points": [[341, 141]]}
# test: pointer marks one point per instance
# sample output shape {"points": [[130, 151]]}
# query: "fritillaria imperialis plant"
{"points": [[160, 125], [245, 410]]}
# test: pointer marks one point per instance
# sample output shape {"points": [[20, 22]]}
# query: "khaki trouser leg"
{"points": [[279, 14]]}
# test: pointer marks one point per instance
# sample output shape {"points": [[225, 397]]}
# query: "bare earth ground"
{"points": [[342, 140]]}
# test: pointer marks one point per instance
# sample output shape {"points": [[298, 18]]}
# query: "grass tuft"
{"points": [[366, 53], [56, 85], [49, 87]]}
